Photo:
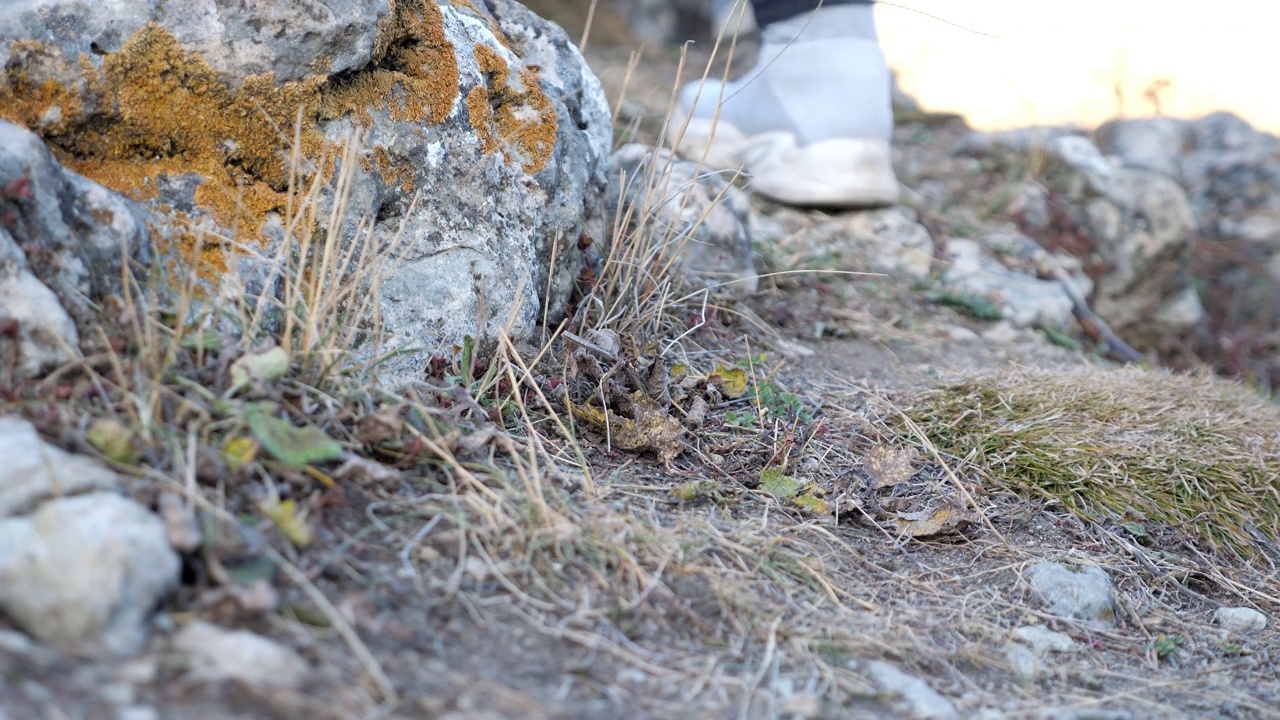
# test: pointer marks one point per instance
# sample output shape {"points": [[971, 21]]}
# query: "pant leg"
{"points": [[771, 11]]}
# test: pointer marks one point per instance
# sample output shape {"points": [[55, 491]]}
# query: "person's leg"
{"points": [[811, 120], [772, 11]]}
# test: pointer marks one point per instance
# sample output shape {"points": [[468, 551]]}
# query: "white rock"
{"points": [[219, 654], [33, 470], [1043, 640], [1240, 620], [1085, 596], [891, 241], [83, 573], [914, 695], [1023, 300], [1003, 333], [1026, 664], [959, 333]]}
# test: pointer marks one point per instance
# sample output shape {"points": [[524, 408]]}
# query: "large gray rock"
{"points": [[1230, 171], [890, 241], [84, 573], [1134, 227], [484, 141], [62, 241], [34, 471], [695, 216], [1024, 300]]}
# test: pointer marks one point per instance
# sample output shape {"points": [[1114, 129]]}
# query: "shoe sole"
{"points": [[836, 173]]}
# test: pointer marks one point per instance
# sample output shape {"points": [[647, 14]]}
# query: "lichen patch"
{"points": [[414, 73], [512, 114], [156, 109]]}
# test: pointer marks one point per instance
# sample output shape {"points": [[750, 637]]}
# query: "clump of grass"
{"points": [[1199, 454]]}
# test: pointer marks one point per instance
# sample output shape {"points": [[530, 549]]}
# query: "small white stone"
{"points": [[1240, 620], [914, 695], [1027, 666], [84, 573], [217, 654], [1043, 640], [958, 333], [137, 712]]}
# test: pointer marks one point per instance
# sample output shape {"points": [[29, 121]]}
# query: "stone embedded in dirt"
{"points": [[34, 470], [1023, 300], [215, 653], [1136, 226], [83, 573], [1086, 713], [484, 151], [1240, 620], [889, 241], [912, 696], [1027, 656], [1086, 595], [1025, 663], [688, 210], [62, 239], [1043, 640]]}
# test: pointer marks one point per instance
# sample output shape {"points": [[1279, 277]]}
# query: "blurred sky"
{"points": [[1055, 62]]}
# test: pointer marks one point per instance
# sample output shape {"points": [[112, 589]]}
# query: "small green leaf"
{"points": [[778, 485], [1061, 339], [206, 340], [1135, 529], [296, 447], [247, 572], [269, 365], [468, 359]]}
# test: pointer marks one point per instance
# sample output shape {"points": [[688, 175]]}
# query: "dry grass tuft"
{"points": [[1199, 454]]}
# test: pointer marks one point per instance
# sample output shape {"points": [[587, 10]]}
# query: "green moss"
{"points": [[1198, 454]]}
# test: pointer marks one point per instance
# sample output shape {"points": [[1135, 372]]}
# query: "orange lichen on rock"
{"points": [[414, 73], [512, 115], [155, 109], [32, 93], [380, 159]]}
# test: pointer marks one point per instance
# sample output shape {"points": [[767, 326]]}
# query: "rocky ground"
{"points": [[916, 462]]}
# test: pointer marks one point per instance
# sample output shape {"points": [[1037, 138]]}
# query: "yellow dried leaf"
{"points": [[889, 466], [929, 523], [814, 504], [285, 515], [654, 430], [114, 440], [733, 381], [695, 490], [238, 452]]}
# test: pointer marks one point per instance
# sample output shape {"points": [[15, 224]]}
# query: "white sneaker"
{"points": [[810, 123]]}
